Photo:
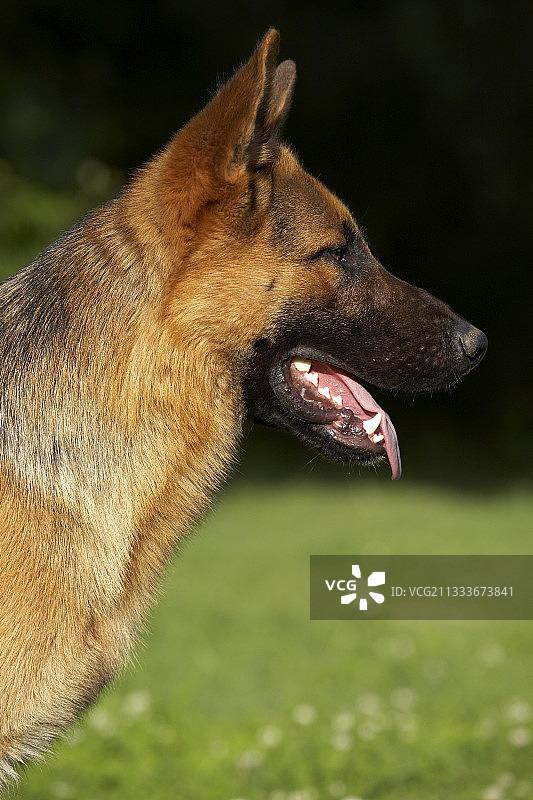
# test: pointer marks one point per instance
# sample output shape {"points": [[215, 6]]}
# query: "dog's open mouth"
{"points": [[323, 395]]}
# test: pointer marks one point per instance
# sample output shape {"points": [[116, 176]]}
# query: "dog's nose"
{"points": [[473, 342]]}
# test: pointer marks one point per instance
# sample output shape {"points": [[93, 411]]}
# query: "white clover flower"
{"points": [[367, 730], [394, 647], [520, 737], [136, 703], [342, 741], [492, 655], [487, 728], [62, 790], [270, 736], [370, 704], [101, 721], [304, 714], [518, 711], [337, 788], [493, 792], [343, 721], [507, 779], [404, 698], [248, 760], [301, 794], [523, 789]]}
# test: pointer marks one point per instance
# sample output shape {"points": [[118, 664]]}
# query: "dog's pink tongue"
{"points": [[367, 402]]}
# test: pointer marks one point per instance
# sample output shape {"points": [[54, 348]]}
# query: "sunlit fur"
{"points": [[125, 348]]}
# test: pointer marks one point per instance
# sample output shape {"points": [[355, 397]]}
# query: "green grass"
{"points": [[235, 693]]}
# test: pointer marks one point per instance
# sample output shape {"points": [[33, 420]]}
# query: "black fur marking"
{"points": [[252, 195]]}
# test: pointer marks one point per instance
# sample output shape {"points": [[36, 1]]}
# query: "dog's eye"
{"points": [[337, 253]]}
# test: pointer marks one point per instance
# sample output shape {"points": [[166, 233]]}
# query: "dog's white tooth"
{"points": [[371, 425], [301, 364], [378, 437], [325, 391], [313, 377], [337, 400]]}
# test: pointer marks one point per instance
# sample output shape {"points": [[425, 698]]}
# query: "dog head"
{"points": [[273, 278]]}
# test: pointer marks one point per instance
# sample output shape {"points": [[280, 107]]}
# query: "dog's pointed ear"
{"points": [[239, 130], [244, 119], [271, 114]]}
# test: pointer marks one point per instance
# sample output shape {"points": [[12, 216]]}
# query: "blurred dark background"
{"points": [[417, 113]]}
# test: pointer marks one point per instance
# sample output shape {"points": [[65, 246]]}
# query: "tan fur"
{"points": [[142, 392]]}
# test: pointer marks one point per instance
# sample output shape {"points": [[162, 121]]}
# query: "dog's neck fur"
{"points": [[104, 447]]}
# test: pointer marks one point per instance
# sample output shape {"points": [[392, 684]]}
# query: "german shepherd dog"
{"points": [[224, 283]]}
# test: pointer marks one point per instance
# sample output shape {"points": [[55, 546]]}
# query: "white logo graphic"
{"points": [[374, 579]]}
